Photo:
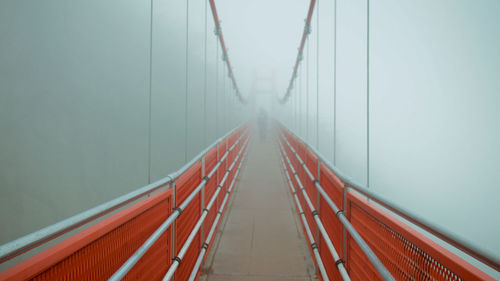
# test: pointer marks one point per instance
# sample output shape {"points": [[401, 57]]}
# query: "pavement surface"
{"points": [[260, 237]]}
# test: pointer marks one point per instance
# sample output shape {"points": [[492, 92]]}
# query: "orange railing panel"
{"points": [[187, 220], [98, 251], [405, 252], [334, 187], [210, 187]]}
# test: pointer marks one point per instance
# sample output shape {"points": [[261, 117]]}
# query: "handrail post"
{"points": [[372, 257], [172, 227], [227, 151], [344, 234], [217, 172], [202, 206], [317, 199]]}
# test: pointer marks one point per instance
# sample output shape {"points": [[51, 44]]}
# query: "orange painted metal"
{"points": [[334, 187], [309, 159], [407, 253], [185, 185], [210, 187], [98, 251], [301, 200]]}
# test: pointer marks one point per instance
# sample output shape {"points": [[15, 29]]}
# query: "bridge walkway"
{"points": [[261, 238]]}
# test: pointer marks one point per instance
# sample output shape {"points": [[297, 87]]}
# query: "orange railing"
{"points": [[97, 252], [406, 253]]}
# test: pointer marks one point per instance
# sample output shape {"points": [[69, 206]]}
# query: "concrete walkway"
{"points": [[260, 237]]}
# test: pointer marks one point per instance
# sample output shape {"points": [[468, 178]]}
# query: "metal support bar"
{"points": [[319, 223], [204, 249], [492, 260], [37, 238], [310, 236], [196, 228], [125, 268], [382, 270]]}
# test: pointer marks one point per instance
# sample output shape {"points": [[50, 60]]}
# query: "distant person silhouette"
{"points": [[262, 121]]}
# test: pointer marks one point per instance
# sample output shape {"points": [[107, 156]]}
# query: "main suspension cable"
{"points": [[305, 34], [218, 33]]}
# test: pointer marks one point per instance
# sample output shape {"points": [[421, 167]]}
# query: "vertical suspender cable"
{"points": [[317, 76], [335, 83], [216, 90], [150, 87], [224, 107], [228, 94], [202, 231], [186, 85], [295, 106], [205, 82], [300, 102], [368, 93], [317, 106], [307, 92], [225, 102]]}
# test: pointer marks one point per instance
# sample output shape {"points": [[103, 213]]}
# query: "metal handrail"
{"points": [[136, 256], [25, 243], [441, 233], [382, 270], [204, 248], [315, 214], [177, 260], [310, 236]]}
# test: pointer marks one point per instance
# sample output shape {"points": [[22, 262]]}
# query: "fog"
{"points": [[94, 102], [434, 99], [100, 98]]}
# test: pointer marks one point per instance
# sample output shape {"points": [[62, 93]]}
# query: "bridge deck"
{"points": [[261, 237]]}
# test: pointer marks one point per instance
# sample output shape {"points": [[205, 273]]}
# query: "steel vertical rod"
{"points": [[197, 265], [124, 269], [182, 252], [382, 270], [315, 215], [309, 235]]}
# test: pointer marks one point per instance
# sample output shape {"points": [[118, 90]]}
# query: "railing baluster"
{"points": [[382, 270]]}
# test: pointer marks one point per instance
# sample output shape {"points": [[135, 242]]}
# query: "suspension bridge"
{"points": [[259, 203]]}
